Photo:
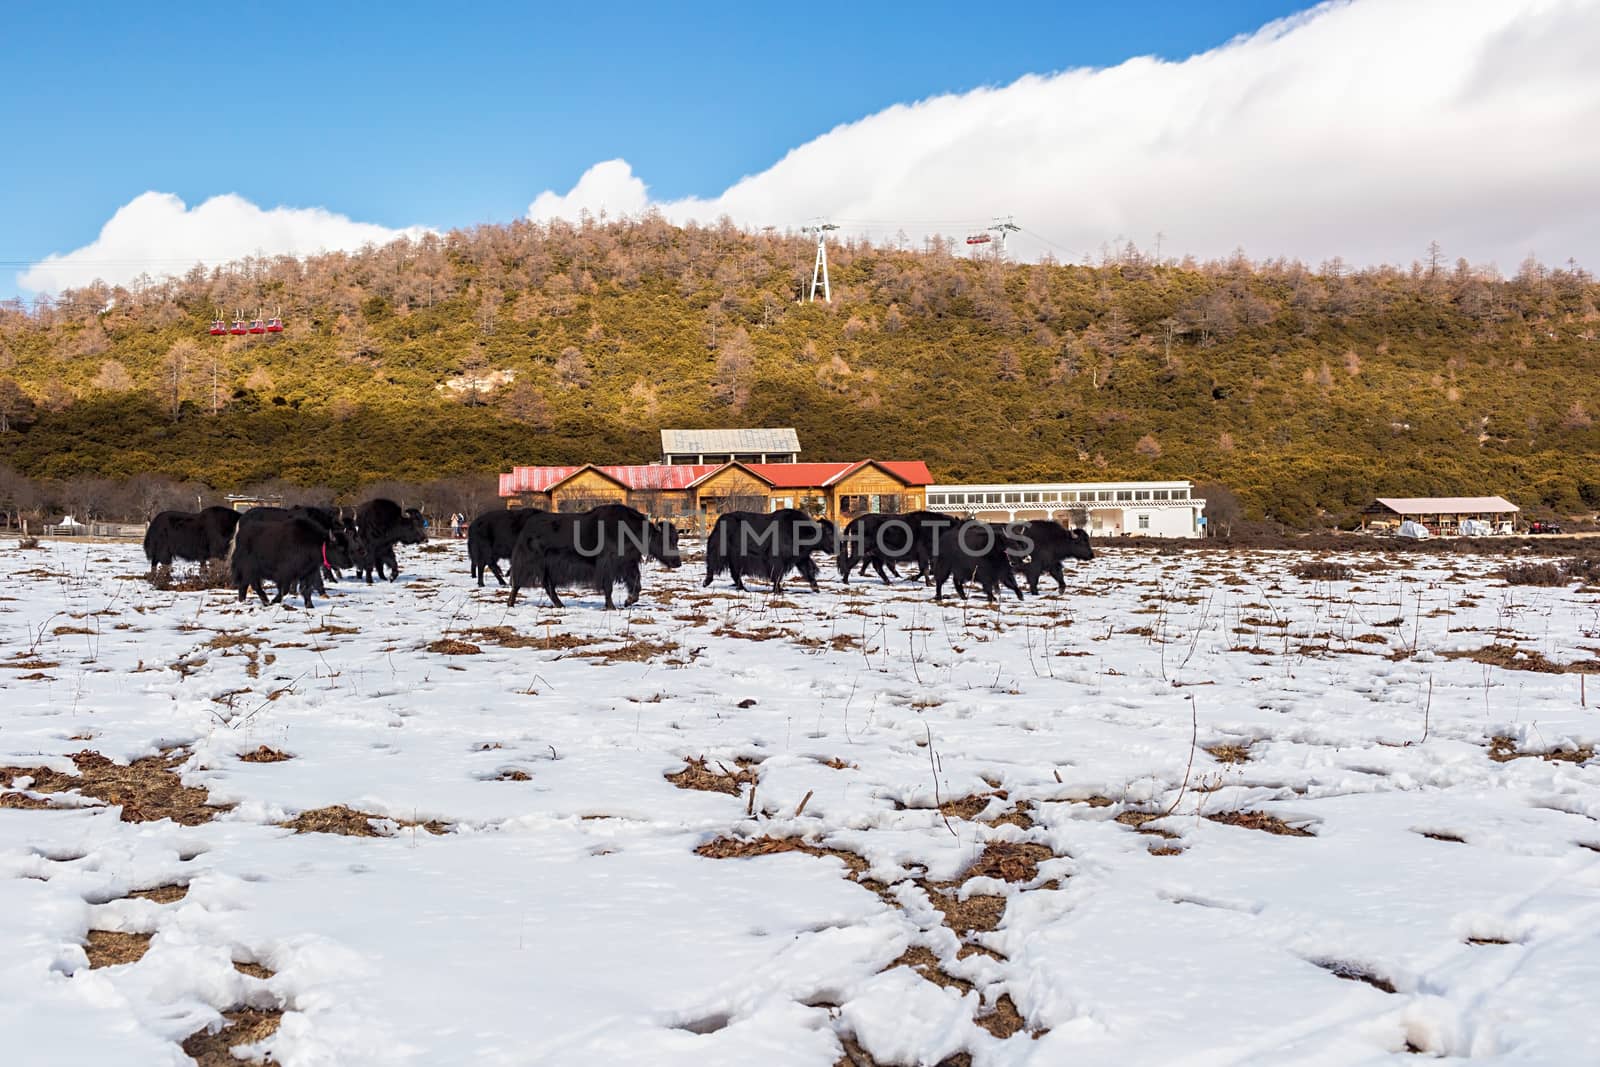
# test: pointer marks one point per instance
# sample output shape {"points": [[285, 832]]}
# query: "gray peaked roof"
{"points": [[700, 442]]}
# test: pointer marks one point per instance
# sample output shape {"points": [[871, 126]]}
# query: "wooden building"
{"points": [[694, 494]]}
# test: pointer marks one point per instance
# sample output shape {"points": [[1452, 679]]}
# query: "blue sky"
{"points": [[446, 115]]}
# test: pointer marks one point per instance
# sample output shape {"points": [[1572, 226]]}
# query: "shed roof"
{"points": [[1448, 505], [769, 440]]}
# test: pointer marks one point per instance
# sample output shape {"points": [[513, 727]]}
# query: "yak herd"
{"points": [[298, 549]]}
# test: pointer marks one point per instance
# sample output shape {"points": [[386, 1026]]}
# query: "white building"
{"points": [[1107, 509]]}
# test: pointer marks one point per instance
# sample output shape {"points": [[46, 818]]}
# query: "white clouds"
{"points": [[156, 233], [609, 187], [1362, 129]]}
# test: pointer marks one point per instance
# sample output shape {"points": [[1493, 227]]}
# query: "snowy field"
{"points": [[1195, 811]]}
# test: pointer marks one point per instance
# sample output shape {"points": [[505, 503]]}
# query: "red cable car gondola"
{"points": [[218, 328], [275, 324], [238, 327], [258, 326], [978, 239]]}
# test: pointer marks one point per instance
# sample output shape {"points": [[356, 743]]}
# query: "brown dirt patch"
{"points": [[1259, 820], [69, 631], [254, 970], [1230, 753], [1504, 750], [1018, 816], [23, 802], [726, 848], [329, 628], [699, 774], [161, 894], [30, 664], [449, 646], [347, 822], [1003, 1020], [1355, 973], [838, 764], [110, 948], [965, 807], [1010, 861], [514, 776], [1137, 820], [265, 754], [245, 1026], [924, 962], [147, 790], [979, 913]]}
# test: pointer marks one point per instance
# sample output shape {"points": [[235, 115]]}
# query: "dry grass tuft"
{"points": [[254, 970], [147, 790], [1540, 574], [111, 948], [506, 637], [449, 646], [246, 1026], [638, 651], [347, 822], [212, 574], [1323, 570], [698, 774], [264, 754], [1511, 658], [1230, 753], [1259, 820], [329, 628]]}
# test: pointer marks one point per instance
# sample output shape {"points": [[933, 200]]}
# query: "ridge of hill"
{"points": [[1306, 391]]}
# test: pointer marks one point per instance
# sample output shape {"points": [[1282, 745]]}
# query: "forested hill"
{"points": [[1305, 390]]}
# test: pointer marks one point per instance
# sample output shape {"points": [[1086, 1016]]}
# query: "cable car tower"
{"points": [[820, 270], [1002, 227]]}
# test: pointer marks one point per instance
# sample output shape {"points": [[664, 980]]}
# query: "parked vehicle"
{"points": [[1544, 528]]}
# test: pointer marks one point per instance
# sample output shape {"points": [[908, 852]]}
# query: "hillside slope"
{"points": [[1307, 391]]}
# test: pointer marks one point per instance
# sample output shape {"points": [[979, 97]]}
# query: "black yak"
{"points": [[884, 540], [767, 545], [1040, 546], [196, 536], [492, 537], [975, 551], [599, 548], [290, 552]]}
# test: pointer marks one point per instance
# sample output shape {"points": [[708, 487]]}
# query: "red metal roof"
{"points": [[640, 476], [820, 475], [684, 475]]}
